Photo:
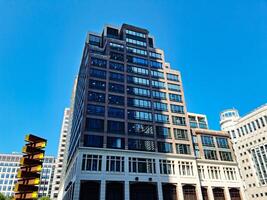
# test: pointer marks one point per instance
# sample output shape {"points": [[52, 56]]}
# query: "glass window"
{"points": [[158, 84], [140, 129], [137, 60], [116, 66], [136, 51], [163, 132], [93, 141], [183, 148], [137, 70], [137, 80], [226, 156], [136, 42], [159, 95], [165, 147], [116, 77], [142, 145], [222, 142], [94, 40], [97, 97], [142, 165], [210, 154], [160, 106], [115, 127], [116, 100], [98, 85], [117, 88], [97, 73], [117, 56], [116, 112], [172, 77], [167, 166], [155, 64], [134, 33], [174, 87], [98, 62], [91, 162], [139, 103], [96, 125], [157, 74], [138, 91], [115, 46], [115, 164], [175, 97], [207, 140], [115, 143], [161, 118], [155, 55], [177, 108], [180, 134], [178, 121], [139, 115], [95, 110]]}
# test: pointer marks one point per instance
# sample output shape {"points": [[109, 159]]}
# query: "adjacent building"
{"points": [[130, 134], [249, 135], [9, 165]]}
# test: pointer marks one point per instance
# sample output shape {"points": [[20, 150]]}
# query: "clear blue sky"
{"points": [[219, 46]]}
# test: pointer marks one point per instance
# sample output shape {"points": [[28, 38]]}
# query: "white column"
{"points": [[180, 191], [227, 193], [210, 193], [160, 194], [103, 190], [198, 192], [126, 190]]}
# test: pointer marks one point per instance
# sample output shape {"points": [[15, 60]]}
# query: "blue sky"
{"points": [[219, 46]]}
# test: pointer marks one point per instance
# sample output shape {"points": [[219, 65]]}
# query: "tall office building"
{"points": [[60, 155], [130, 136], [9, 165], [249, 136]]}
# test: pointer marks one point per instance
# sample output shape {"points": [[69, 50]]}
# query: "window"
{"points": [[183, 148], [95, 110], [91, 162], [158, 84], [163, 132], [178, 121], [172, 77], [207, 140], [113, 87], [210, 154], [116, 56], [155, 55], [138, 91], [175, 97], [115, 142], [115, 46], [137, 80], [116, 100], [177, 109], [185, 168], [137, 70], [136, 51], [142, 165], [116, 66], [93, 141], [180, 134], [97, 73], [156, 74], [159, 95], [174, 87], [142, 145], [94, 40], [115, 127], [134, 33], [137, 60], [161, 118], [97, 97], [160, 106], [116, 77], [115, 164], [165, 147], [96, 125], [139, 115], [140, 129], [226, 156], [98, 85], [222, 142], [136, 42], [116, 112], [141, 103], [155, 64], [98, 62], [167, 166]]}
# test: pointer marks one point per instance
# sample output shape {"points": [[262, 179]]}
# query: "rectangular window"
{"points": [[137, 70], [115, 46], [95, 125], [115, 143], [175, 97], [95, 110], [160, 106], [138, 91], [161, 118], [210, 154], [226, 156], [137, 80], [93, 141], [116, 77], [178, 121], [115, 164], [91, 162], [136, 42], [156, 74], [167, 166], [116, 66], [136, 51], [163, 132], [116, 112], [222, 142], [183, 148], [165, 147], [116, 88], [141, 145], [142, 165], [172, 77], [96, 97], [154, 64], [137, 60], [140, 129], [139, 115], [97, 73], [207, 140], [174, 87], [177, 109], [155, 55], [141, 103], [116, 100], [98, 85], [117, 56], [98, 62], [115, 127], [180, 134], [158, 95], [134, 33], [158, 84]]}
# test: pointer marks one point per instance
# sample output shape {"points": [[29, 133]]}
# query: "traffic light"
{"points": [[30, 168]]}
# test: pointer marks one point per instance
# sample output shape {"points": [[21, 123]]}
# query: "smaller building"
{"points": [[9, 165], [198, 121]]}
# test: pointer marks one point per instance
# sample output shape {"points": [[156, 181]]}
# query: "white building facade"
{"points": [[249, 136]]}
